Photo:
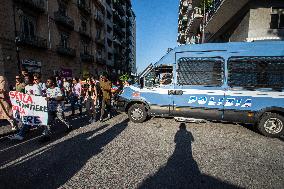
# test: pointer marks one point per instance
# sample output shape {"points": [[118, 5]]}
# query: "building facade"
{"points": [[230, 20], [57, 37], [124, 21]]}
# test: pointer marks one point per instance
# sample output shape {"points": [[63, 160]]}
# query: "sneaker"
{"points": [[101, 119], [14, 128], [108, 116], [16, 137]]}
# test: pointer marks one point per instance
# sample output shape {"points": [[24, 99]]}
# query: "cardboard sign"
{"points": [[29, 109]]}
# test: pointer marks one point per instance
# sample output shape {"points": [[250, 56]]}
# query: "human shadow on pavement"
{"points": [[181, 170], [55, 166]]}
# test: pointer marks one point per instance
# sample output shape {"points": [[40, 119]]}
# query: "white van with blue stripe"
{"points": [[234, 82]]}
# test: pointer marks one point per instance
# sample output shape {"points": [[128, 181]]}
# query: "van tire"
{"points": [[271, 125], [137, 113]]}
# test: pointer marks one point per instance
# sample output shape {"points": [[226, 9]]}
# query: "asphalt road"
{"points": [[160, 153]]}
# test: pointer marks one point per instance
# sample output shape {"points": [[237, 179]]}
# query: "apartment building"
{"points": [[230, 20], [56, 37], [124, 24]]}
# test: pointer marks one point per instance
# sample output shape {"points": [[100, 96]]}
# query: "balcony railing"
{"points": [[66, 51], [64, 20], [212, 9], [87, 57], [117, 18], [84, 33], [31, 40], [84, 7], [118, 7], [36, 5]]}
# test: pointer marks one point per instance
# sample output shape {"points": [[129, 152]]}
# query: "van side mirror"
{"points": [[141, 81]]}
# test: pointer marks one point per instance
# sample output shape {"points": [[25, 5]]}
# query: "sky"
{"points": [[156, 29]]}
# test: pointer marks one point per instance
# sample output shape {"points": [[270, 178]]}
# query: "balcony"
{"points": [[86, 57], [33, 41], [118, 31], [100, 41], [185, 6], [84, 33], [83, 7], [194, 22], [66, 21], [118, 19], [35, 5], [118, 7], [219, 13], [66, 51], [99, 20]]}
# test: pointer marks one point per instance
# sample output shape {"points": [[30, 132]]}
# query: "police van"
{"points": [[234, 82]]}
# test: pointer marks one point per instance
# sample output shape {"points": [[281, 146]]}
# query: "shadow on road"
{"points": [[55, 166], [13, 149], [181, 170]]}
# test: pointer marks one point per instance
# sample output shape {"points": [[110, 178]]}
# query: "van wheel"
{"points": [[271, 125], [137, 113]]}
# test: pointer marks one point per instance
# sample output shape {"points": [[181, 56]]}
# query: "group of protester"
{"points": [[95, 93]]}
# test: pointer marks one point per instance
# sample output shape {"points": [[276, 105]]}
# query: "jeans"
{"points": [[74, 100], [105, 104]]}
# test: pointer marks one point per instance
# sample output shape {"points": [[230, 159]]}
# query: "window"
{"points": [[200, 71], [108, 15], [83, 24], [277, 18], [109, 42], [98, 34], [62, 9], [256, 72], [85, 47], [109, 56], [109, 29], [28, 26], [64, 40], [161, 75]]}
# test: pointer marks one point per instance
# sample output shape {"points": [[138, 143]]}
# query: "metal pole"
{"points": [[203, 23], [16, 35]]}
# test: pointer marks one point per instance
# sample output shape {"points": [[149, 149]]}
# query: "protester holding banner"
{"points": [[39, 84], [54, 98], [30, 88], [5, 104]]}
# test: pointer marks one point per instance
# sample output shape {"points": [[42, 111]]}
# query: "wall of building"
{"points": [[240, 33], [259, 26]]}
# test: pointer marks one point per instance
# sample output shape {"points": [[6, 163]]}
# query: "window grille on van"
{"points": [[200, 71], [256, 72]]}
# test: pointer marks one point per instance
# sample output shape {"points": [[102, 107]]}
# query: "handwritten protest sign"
{"points": [[29, 109]]}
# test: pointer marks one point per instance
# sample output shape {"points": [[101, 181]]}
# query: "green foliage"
{"points": [[207, 3], [124, 77]]}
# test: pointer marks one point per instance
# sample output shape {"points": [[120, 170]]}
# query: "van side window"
{"points": [[256, 72], [200, 71]]}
